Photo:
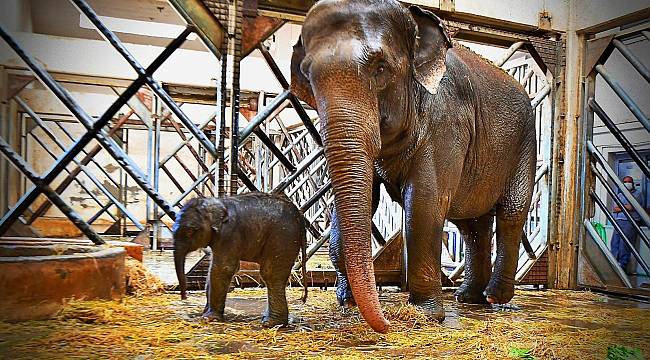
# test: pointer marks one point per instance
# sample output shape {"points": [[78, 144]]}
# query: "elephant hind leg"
{"points": [[512, 211], [277, 311], [477, 236]]}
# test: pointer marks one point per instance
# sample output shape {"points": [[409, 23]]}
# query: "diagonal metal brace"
{"points": [[24, 168], [144, 74], [94, 129]]}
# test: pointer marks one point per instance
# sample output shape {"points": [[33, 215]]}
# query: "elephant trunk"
{"points": [[179, 263], [351, 144]]}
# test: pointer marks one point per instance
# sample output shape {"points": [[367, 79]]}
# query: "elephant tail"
{"points": [[303, 255], [527, 246]]}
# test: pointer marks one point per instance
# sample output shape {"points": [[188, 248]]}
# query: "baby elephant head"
{"points": [[196, 225]]}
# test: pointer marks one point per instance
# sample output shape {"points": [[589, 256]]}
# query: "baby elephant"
{"points": [[256, 227]]}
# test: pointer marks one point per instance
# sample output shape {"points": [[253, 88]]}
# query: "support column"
{"points": [[566, 210], [4, 164]]}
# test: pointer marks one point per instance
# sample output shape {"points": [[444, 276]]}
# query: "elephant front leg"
{"points": [[423, 232], [477, 236], [221, 273]]}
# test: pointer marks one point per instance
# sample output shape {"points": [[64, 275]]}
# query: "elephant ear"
{"points": [[300, 85], [430, 50], [219, 214]]}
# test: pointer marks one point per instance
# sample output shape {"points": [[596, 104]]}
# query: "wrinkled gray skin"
{"points": [[450, 134], [256, 227]]}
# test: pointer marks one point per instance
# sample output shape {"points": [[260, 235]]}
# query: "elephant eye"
{"points": [[382, 75], [305, 67]]}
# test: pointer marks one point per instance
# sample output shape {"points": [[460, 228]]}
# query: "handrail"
{"points": [[627, 100], [617, 228], [612, 175], [605, 251], [638, 65], [619, 203], [618, 134]]}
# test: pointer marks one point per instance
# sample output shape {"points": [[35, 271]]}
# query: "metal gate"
{"points": [[615, 126]]}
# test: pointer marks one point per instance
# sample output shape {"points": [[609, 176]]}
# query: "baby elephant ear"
{"points": [[300, 85], [219, 214], [430, 50]]}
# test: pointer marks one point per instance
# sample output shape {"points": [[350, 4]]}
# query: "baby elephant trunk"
{"points": [[179, 263]]}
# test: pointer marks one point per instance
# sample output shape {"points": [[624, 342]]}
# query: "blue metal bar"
{"points": [[605, 251], [100, 212], [114, 200], [638, 65], [77, 180], [617, 228], [619, 136], [304, 165], [274, 149], [263, 115], [612, 175], [186, 141], [155, 86], [108, 176], [627, 100], [24, 168], [247, 182], [41, 124], [294, 100], [620, 204], [319, 194]]}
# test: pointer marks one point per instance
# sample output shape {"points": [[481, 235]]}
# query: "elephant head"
{"points": [[365, 66], [195, 227]]}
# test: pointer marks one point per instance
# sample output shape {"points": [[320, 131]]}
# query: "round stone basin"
{"points": [[36, 279]]}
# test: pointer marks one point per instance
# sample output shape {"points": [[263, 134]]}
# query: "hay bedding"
{"points": [[542, 325]]}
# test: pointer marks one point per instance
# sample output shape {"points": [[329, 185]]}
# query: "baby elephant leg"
{"points": [[221, 273], [276, 276]]}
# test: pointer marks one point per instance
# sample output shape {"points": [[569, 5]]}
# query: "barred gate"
{"points": [[606, 59]]}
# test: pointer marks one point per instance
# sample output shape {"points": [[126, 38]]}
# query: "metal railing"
{"points": [[95, 129], [602, 184]]}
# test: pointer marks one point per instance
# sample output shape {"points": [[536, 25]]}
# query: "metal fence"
{"points": [[603, 188]]}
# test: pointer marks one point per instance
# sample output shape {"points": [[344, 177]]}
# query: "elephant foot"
{"points": [[431, 307], [210, 315], [467, 295], [344, 296], [499, 292], [272, 321]]}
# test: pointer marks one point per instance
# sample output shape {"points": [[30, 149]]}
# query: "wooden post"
{"points": [[566, 192]]}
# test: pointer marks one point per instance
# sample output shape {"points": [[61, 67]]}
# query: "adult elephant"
{"points": [[454, 135]]}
